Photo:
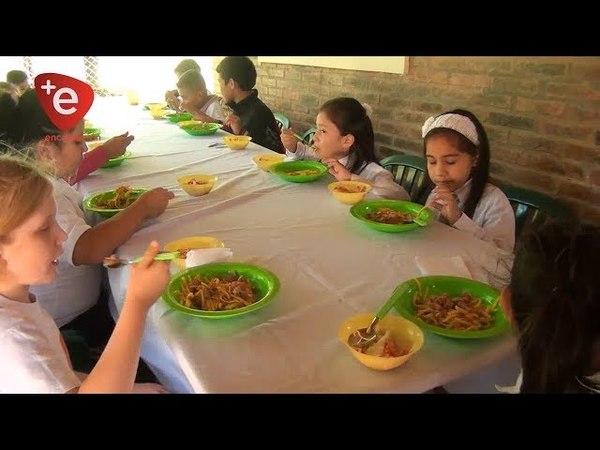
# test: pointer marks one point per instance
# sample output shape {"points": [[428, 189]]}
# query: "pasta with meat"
{"points": [[215, 293], [390, 216], [123, 197], [461, 313]]}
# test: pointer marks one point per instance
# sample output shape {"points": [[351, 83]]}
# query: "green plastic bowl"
{"points": [[89, 203], [201, 129], [452, 286], [283, 170], [90, 134], [114, 162], [361, 209], [265, 283], [178, 117]]}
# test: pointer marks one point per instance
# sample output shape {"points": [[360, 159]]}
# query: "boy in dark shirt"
{"points": [[237, 77]]}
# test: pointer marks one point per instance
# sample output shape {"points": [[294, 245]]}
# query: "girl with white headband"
{"points": [[458, 159], [344, 140]]}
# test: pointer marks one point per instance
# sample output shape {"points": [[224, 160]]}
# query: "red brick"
{"points": [[542, 107], [587, 68], [579, 191], [459, 79], [539, 68], [583, 134], [433, 76], [513, 86], [594, 177], [575, 90]]}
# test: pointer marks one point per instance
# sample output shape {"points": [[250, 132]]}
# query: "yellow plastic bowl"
{"points": [[266, 160], [349, 192], [406, 335], [192, 242], [94, 144], [237, 142], [206, 184], [157, 112]]}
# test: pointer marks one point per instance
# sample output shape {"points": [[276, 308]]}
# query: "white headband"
{"points": [[455, 122]]}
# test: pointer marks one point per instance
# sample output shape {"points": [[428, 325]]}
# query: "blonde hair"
{"points": [[23, 188]]}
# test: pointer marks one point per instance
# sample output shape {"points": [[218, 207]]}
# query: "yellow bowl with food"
{"points": [[95, 144], [266, 160], [349, 192], [197, 184], [398, 340], [191, 243], [237, 142]]}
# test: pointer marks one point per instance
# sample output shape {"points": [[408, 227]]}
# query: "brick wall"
{"points": [[542, 114]]}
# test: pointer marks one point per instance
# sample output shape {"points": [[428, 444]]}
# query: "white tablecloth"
{"points": [[330, 266]]}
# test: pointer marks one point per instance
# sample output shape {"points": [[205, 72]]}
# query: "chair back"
{"points": [[282, 120], [410, 172], [533, 208], [308, 136]]}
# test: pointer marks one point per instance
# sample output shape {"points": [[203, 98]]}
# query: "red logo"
{"points": [[65, 99]]}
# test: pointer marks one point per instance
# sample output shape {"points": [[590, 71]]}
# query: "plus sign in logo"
{"points": [[64, 99]]}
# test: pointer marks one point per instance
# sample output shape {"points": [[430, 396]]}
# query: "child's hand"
{"points": [[289, 141], [234, 122], [337, 169], [445, 201], [155, 201], [148, 279], [117, 145]]}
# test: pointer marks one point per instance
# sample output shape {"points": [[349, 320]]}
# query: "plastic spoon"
{"points": [[363, 337], [113, 261]]}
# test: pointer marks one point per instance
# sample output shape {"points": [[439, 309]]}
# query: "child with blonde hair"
{"points": [[456, 147], [344, 140], [33, 357]]}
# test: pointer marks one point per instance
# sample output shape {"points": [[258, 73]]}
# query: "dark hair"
{"points": [[239, 68], [556, 306], [480, 174], [350, 117], [34, 123], [185, 65], [192, 79], [16, 76]]}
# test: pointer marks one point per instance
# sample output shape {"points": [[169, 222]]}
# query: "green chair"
{"points": [[411, 173], [533, 208], [308, 136], [282, 120]]}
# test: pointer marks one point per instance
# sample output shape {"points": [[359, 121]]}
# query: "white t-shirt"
{"points": [[213, 108], [493, 218], [76, 288], [32, 358], [381, 179]]}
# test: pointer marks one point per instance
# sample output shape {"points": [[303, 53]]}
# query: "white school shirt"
{"points": [[493, 218], [213, 108], [32, 358], [381, 179], [75, 288]]}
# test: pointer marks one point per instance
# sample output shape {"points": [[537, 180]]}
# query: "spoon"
{"points": [[363, 337], [418, 220], [113, 261]]}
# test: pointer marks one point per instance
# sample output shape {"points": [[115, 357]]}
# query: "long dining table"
{"points": [[330, 265]]}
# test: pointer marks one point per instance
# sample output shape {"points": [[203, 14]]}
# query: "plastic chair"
{"points": [[410, 172], [282, 120], [533, 208], [308, 136]]}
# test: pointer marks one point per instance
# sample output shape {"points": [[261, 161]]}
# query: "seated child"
{"points": [[194, 98], [344, 140], [76, 287], [237, 77], [33, 356], [172, 97], [458, 163], [553, 302]]}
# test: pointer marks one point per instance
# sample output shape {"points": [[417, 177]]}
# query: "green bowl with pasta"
{"points": [[299, 171], [475, 314], [103, 203], [239, 287]]}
